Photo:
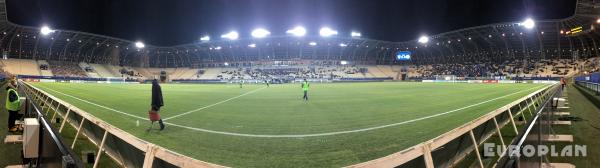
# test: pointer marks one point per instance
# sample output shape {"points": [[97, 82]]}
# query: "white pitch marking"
{"points": [[101, 106], [217, 103], [307, 135]]}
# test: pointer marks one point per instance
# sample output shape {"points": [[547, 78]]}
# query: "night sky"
{"points": [[172, 22]]}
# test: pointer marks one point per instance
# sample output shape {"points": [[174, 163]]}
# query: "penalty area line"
{"points": [[92, 103]]}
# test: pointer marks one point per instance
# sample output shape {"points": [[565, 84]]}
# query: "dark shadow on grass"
{"points": [[590, 96]]}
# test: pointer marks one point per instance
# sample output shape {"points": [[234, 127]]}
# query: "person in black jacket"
{"points": [[157, 100]]}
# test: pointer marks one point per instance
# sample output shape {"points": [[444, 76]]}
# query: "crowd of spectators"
{"points": [[530, 68], [43, 66], [68, 69], [299, 72]]}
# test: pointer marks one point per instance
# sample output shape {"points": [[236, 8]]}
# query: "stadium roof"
{"points": [[487, 42]]}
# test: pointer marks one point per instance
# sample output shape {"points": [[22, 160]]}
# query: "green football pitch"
{"points": [[256, 126]]}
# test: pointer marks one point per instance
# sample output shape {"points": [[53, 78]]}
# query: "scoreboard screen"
{"points": [[403, 55]]}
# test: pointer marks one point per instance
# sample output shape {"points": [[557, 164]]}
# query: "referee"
{"points": [[305, 86]]}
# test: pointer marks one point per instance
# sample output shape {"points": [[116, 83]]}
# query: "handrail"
{"points": [[520, 140], [425, 148], [69, 159]]}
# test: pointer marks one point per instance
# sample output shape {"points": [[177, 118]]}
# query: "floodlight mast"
{"points": [[233, 35], [326, 32], [205, 38], [139, 45], [260, 33], [297, 31], [423, 39], [528, 23], [45, 30]]}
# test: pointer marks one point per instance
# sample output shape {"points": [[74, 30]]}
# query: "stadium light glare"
{"points": [[205, 38], [598, 20], [298, 31], [139, 45], [423, 39], [355, 34], [312, 43], [226, 64], [260, 33], [326, 32], [528, 23], [252, 45], [343, 45], [343, 62], [218, 48], [233, 35], [45, 30]]}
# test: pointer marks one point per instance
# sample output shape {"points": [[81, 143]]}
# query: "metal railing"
{"points": [[590, 85], [125, 149], [450, 148], [52, 152], [536, 132]]}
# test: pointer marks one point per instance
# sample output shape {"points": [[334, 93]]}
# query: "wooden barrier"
{"points": [[151, 151], [424, 149]]}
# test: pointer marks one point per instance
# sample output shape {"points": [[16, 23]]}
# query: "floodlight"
{"points": [[205, 38], [252, 45], [233, 35], [326, 32], [226, 64], [528, 23], [297, 31], [218, 48], [45, 30], [139, 44], [343, 62], [423, 39], [355, 34], [260, 33], [343, 45], [312, 43]]}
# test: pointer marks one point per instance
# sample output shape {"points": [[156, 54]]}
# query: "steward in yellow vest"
{"points": [[13, 105]]}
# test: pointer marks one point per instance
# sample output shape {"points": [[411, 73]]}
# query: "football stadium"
{"points": [[519, 93]]}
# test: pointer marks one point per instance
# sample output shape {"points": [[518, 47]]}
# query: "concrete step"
{"points": [[558, 165], [561, 113], [558, 138], [13, 139], [16, 166]]}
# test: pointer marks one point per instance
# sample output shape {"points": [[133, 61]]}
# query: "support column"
{"points": [[100, 149], [475, 145], [64, 120], [427, 155], [78, 131], [512, 121], [499, 134], [149, 157]]}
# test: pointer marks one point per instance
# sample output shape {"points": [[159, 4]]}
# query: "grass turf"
{"points": [[279, 110]]}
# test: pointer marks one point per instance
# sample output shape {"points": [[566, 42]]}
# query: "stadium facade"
{"points": [[570, 37]]}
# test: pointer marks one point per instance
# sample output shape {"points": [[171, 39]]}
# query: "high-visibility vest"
{"points": [[14, 105], [305, 86]]}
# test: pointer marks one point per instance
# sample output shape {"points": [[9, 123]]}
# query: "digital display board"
{"points": [[403, 55]]}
